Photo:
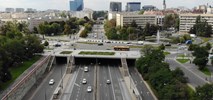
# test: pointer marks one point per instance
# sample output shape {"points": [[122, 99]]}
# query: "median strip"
{"points": [[96, 53]]}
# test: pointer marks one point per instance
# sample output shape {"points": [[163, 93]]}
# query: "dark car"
{"points": [[100, 44], [57, 45], [168, 44]]}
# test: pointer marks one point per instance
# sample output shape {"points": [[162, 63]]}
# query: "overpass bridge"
{"points": [[75, 54]]}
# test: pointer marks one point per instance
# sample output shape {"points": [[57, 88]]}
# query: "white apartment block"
{"points": [[188, 20], [141, 20], [111, 15], [209, 10]]}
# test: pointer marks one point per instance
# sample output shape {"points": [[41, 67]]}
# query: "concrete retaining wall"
{"points": [[22, 87]]}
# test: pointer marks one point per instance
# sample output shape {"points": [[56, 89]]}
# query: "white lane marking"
{"points": [[112, 83], [77, 85]]}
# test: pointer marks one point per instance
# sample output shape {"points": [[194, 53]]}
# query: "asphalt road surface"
{"points": [[79, 91], [194, 79], [105, 91], [45, 91], [140, 85]]}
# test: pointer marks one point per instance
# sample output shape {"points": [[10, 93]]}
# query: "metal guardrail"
{"points": [[5, 97]]}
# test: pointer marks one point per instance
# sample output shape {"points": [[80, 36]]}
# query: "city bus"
{"points": [[121, 48]]}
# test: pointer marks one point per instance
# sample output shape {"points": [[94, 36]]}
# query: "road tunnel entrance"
{"points": [[61, 60], [99, 61]]}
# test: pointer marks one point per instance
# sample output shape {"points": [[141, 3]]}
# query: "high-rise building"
{"points": [[164, 4], [76, 5], [116, 6], [133, 6], [19, 10], [9, 10]]}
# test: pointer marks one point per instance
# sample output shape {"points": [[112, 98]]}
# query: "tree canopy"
{"points": [[16, 46], [201, 28]]}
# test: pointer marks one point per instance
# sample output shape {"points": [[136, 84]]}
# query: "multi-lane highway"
{"points": [[79, 91], [45, 91], [105, 91]]}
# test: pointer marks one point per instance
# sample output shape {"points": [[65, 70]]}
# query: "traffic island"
{"points": [[66, 52], [96, 53]]}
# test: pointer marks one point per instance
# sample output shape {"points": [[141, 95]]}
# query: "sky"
{"points": [[95, 4]]}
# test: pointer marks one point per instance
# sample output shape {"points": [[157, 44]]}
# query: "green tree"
{"points": [[146, 30], [130, 30], [208, 46], [192, 47], [46, 43], [201, 28], [200, 62], [212, 62], [147, 49], [81, 21], [67, 29], [200, 52], [42, 29], [55, 28], [201, 57], [162, 47], [84, 33], [178, 73], [177, 23], [134, 24], [35, 30], [141, 12], [204, 92], [170, 20]]}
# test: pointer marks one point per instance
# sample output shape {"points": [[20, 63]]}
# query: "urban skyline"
{"points": [[95, 4]]}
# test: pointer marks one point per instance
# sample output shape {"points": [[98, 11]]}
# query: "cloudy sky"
{"points": [[94, 4]]}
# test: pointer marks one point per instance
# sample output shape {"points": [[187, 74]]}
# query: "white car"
{"points": [[84, 81], [86, 69], [51, 82], [89, 89], [108, 82]]}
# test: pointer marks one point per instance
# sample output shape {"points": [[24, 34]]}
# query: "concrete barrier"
{"points": [[25, 84]]}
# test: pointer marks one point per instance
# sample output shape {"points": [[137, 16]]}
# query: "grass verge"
{"points": [[190, 91], [182, 60], [206, 71], [66, 52], [166, 53], [17, 71], [96, 53], [205, 39]]}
